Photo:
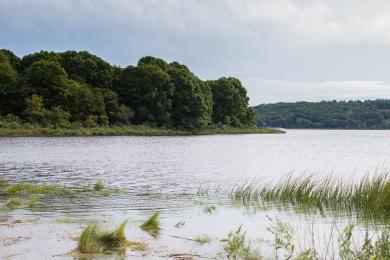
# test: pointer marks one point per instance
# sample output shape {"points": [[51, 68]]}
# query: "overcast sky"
{"points": [[282, 50]]}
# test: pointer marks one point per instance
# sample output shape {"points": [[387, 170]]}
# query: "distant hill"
{"points": [[369, 114]]}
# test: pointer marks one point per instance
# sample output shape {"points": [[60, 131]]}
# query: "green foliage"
{"points": [[11, 57], [367, 114], [49, 80], [192, 99], [78, 88], [152, 225], [8, 79], [231, 103], [88, 68], [147, 90], [58, 117], [35, 111]]}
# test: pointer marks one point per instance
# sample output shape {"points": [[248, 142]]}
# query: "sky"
{"points": [[281, 50]]}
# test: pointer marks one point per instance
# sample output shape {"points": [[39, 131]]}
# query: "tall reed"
{"points": [[369, 196]]}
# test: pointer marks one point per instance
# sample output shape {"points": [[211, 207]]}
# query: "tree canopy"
{"points": [[67, 88], [370, 114]]}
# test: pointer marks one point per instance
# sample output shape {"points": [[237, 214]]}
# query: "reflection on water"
{"points": [[165, 173]]}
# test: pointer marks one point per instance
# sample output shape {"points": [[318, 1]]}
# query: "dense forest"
{"points": [[369, 114], [79, 89]]}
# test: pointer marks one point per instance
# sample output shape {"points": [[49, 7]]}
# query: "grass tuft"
{"points": [[99, 185], [13, 203], [237, 247], [209, 209], [152, 225], [203, 239], [94, 241]]}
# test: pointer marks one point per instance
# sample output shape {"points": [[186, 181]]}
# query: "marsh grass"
{"points": [[202, 239], [13, 203], [369, 197], [28, 188], [99, 185], [209, 209], [31, 203], [95, 241], [130, 130], [152, 225]]}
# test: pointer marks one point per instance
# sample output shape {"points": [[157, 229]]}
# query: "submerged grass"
{"points": [[95, 241], [368, 197], [152, 225]]}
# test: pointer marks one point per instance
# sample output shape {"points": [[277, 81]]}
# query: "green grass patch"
{"points": [[209, 209], [99, 185], [369, 197], [152, 225], [13, 203], [130, 130], [95, 241], [203, 239]]}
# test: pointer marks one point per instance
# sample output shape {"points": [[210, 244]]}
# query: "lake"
{"points": [[166, 173]]}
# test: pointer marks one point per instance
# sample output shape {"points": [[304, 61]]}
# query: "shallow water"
{"points": [[165, 173]]}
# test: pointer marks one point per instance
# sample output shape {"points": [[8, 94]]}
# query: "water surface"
{"points": [[170, 171]]}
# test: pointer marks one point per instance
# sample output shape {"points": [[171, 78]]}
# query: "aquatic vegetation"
{"points": [[94, 241], [28, 188], [13, 203], [3, 183], [283, 238], [130, 130], [104, 193], [209, 209], [203, 239], [32, 202], [152, 225], [237, 247], [369, 249], [99, 185], [369, 197]]}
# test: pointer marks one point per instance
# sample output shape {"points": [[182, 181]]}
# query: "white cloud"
{"points": [[322, 49]]}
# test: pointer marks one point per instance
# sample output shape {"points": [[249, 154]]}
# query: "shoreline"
{"points": [[127, 131]]}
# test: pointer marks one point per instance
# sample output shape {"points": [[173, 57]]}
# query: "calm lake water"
{"points": [[171, 170]]}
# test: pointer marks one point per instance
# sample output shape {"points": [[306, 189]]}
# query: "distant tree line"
{"points": [[71, 88], [369, 114]]}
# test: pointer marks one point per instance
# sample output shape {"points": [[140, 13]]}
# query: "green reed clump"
{"points": [[94, 241], [209, 209], [152, 225], [370, 196], [99, 185]]}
